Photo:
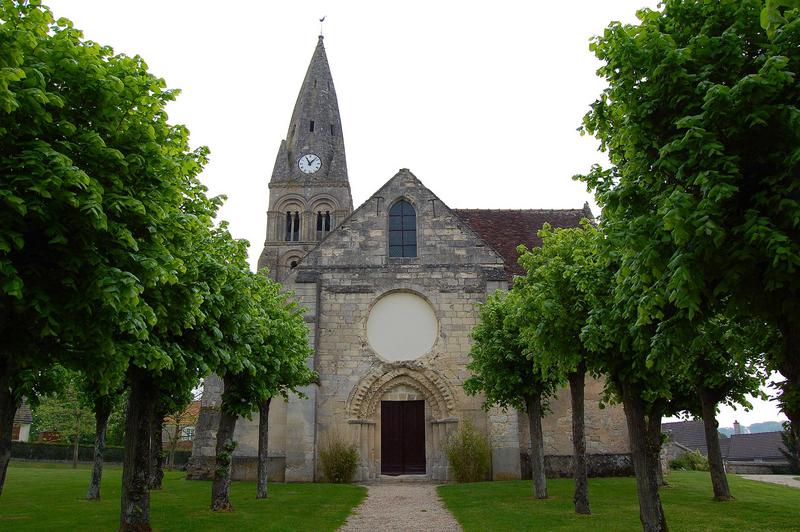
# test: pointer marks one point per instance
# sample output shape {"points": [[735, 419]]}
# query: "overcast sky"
{"points": [[480, 100]]}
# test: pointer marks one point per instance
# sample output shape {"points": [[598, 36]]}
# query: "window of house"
{"points": [[402, 230], [187, 433], [292, 226]]}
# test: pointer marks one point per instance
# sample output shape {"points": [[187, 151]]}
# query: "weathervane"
{"points": [[320, 24]]}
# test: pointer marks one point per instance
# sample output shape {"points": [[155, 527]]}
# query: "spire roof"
{"points": [[315, 127]]}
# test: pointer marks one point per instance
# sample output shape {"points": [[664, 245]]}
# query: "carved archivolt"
{"points": [[365, 398]]}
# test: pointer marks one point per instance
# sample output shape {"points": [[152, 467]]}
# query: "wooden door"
{"points": [[402, 437]]}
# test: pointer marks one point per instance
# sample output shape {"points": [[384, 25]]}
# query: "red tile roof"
{"points": [[504, 230]]}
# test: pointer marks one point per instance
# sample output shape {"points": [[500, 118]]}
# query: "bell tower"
{"points": [[309, 191]]}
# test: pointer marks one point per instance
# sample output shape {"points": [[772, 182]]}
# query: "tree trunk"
{"points": [[263, 456], [76, 443], [576, 388], [173, 444], [8, 408], [645, 448], [534, 408], [102, 410], [220, 487], [156, 450], [135, 500], [708, 405], [790, 369]]}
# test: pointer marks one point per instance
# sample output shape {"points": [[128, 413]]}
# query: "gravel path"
{"points": [[785, 480], [410, 506]]}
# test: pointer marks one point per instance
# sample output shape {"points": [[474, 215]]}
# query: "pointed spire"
{"points": [[315, 128]]}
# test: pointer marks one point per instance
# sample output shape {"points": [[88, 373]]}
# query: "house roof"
{"points": [[504, 230], [189, 415], [690, 434], [760, 445], [23, 415]]}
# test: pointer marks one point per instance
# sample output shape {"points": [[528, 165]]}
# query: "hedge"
{"points": [[63, 453]]}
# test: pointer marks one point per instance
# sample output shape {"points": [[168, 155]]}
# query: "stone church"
{"points": [[391, 291]]}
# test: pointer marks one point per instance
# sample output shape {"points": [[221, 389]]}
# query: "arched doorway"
{"points": [[401, 419]]}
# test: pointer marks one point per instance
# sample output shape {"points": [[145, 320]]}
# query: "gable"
{"points": [[442, 237]]}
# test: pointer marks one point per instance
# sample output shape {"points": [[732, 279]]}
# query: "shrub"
{"points": [[339, 460], [468, 453], [693, 461]]}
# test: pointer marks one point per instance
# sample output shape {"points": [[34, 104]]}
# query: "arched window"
{"points": [[323, 224], [292, 226], [402, 230]]}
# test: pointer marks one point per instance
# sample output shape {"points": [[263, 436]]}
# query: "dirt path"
{"points": [[784, 480], [410, 506]]}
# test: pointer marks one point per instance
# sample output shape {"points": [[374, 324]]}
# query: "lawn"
{"points": [[687, 502], [50, 497]]}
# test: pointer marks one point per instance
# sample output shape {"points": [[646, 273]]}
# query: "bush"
{"points": [[469, 454], [339, 460], [693, 461]]}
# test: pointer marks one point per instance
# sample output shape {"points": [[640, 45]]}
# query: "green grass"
{"points": [[50, 497], [687, 502]]}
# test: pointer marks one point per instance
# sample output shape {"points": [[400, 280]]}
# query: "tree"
{"points": [[66, 413], [507, 376], [723, 363], [699, 120], [559, 273], [276, 338], [103, 404], [94, 185], [284, 370], [176, 424]]}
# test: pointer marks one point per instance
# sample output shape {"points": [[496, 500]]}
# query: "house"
{"points": [[23, 418], [743, 453]]}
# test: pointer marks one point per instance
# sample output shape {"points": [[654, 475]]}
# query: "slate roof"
{"points": [[738, 447], [760, 445], [690, 434], [505, 229], [23, 415]]}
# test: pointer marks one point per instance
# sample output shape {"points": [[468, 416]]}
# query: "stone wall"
{"points": [[599, 465]]}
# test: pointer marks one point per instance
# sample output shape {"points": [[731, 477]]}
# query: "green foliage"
{"points": [[339, 459], [701, 122], [691, 461], [65, 413], [98, 187], [501, 368], [553, 294], [771, 17], [468, 453]]}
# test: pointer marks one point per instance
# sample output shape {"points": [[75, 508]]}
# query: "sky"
{"points": [[481, 101]]}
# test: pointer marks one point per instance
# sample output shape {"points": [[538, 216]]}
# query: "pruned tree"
{"points": [[699, 120], [509, 377], [555, 310], [276, 338]]}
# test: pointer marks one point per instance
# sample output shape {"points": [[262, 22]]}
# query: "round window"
{"points": [[402, 326]]}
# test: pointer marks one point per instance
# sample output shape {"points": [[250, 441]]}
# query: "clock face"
{"points": [[309, 163]]}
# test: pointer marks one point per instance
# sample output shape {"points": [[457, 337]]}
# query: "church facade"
{"points": [[391, 292]]}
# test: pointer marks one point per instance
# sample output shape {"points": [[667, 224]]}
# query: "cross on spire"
{"points": [[320, 24]]}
